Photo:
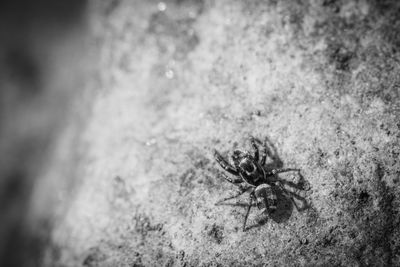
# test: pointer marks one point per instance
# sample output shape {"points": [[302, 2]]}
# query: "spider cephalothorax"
{"points": [[248, 167], [249, 172]]}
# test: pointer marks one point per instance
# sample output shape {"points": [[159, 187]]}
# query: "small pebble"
{"points": [[151, 142], [304, 241], [169, 74]]}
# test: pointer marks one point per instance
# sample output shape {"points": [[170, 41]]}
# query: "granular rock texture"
{"points": [[176, 79]]}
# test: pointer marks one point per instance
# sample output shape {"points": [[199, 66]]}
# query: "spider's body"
{"points": [[249, 172], [248, 168]]}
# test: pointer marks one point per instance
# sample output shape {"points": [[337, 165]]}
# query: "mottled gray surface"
{"points": [[320, 79]]}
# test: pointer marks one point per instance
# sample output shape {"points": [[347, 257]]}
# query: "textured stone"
{"points": [[320, 79]]}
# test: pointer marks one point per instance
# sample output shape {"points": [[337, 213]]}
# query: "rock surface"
{"points": [[177, 79]]}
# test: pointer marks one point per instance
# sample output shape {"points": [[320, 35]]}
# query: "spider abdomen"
{"points": [[266, 197]]}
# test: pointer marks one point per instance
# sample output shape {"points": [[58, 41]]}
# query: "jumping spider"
{"points": [[251, 173]]}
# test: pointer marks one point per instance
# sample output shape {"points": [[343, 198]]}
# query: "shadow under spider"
{"points": [[289, 194]]}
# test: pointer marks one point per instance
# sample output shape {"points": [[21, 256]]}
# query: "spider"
{"points": [[251, 173]]}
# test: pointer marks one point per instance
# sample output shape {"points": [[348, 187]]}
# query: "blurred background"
{"points": [[42, 83]]}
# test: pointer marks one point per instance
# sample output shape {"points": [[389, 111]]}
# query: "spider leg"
{"points": [[255, 148], [292, 188], [235, 181], [297, 184], [241, 191], [264, 154], [248, 210], [294, 193], [276, 171], [304, 204], [224, 164]]}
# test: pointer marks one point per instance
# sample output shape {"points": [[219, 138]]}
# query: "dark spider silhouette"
{"points": [[271, 194]]}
